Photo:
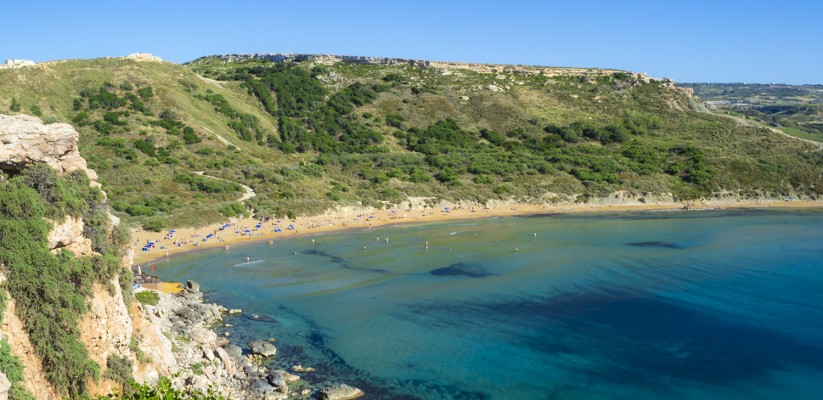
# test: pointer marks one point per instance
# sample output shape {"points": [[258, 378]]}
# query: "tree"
{"points": [[15, 106]]}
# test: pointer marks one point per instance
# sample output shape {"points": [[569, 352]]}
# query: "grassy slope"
{"points": [[794, 109], [735, 157]]}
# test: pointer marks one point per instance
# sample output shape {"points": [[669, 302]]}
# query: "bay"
{"points": [[681, 305]]}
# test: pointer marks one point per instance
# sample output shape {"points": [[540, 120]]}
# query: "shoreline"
{"points": [[244, 231]]}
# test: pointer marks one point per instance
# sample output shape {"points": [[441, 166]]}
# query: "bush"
{"points": [[12, 367], [154, 225], [50, 290], [35, 109], [118, 369], [233, 210], [15, 106], [147, 297]]}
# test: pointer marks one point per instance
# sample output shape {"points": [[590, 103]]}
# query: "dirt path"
{"points": [[247, 191], [748, 122]]}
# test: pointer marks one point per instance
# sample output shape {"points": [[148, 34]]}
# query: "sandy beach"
{"points": [[251, 230]]}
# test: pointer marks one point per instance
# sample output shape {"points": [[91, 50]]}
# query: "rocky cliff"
{"points": [[108, 326]]}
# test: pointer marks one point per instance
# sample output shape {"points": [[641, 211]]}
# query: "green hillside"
{"points": [[794, 109], [309, 135]]}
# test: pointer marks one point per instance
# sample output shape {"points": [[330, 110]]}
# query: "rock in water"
{"points": [[193, 286], [262, 348], [339, 392]]}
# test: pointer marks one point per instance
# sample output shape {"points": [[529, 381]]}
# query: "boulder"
{"points": [[262, 348], [228, 363], [198, 383], [276, 378], [193, 286], [202, 336], [235, 352], [339, 392], [261, 386]]}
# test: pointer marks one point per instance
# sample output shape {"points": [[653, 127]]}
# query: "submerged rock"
{"points": [[300, 368], [339, 392]]}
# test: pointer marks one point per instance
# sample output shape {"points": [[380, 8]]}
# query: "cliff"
{"points": [[107, 328]]}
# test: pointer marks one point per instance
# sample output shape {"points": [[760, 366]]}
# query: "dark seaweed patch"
{"points": [[342, 262], [664, 245], [460, 269]]}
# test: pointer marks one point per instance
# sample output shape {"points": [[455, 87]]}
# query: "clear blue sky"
{"points": [[688, 41]]}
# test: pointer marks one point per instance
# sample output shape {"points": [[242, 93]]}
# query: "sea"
{"points": [[720, 304]]}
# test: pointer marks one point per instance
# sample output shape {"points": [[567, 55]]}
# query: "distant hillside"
{"points": [[794, 109], [309, 132]]}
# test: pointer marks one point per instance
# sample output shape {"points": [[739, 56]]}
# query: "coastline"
{"points": [[359, 218]]}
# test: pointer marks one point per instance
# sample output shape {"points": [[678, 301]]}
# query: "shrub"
{"points": [[15, 106], [154, 225], [147, 297], [12, 367], [233, 210], [118, 369]]}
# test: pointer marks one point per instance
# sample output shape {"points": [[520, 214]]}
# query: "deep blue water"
{"points": [[678, 305]]}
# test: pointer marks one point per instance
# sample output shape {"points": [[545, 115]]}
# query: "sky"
{"points": [[751, 41]]}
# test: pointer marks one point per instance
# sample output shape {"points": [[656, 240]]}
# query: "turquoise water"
{"points": [[697, 305]]}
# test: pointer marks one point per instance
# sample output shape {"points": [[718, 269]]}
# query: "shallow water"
{"points": [[697, 305]]}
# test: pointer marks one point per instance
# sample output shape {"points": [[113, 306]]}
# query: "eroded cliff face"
{"points": [[25, 140], [107, 328]]}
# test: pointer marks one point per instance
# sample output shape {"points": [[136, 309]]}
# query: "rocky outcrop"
{"points": [[25, 140], [68, 235], [34, 378], [446, 67], [143, 57], [5, 385], [106, 328]]}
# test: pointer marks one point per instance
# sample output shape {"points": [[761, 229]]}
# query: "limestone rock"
{"points": [[300, 368], [69, 235], [262, 348], [5, 385], [144, 57], [26, 140], [339, 392], [228, 363]]}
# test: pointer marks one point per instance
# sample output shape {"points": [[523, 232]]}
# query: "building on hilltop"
{"points": [[14, 63]]}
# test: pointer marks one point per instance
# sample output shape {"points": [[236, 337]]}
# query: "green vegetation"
{"points": [[51, 289], [10, 365], [795, 109], [134, 346], [147, 297], [162, 390], [308, 137], [118, 369]]}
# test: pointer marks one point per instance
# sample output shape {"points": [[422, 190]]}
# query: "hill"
{"points": [[796, 110], [310, 132]]}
